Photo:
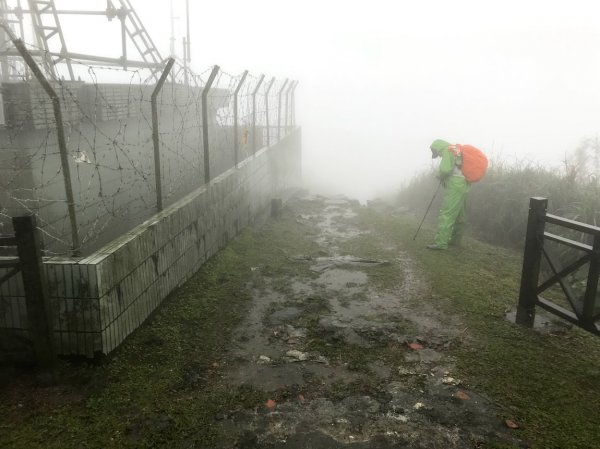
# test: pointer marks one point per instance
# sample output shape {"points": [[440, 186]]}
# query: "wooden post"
{"points": [[29, 243], [276, 207], [589, 299], [532, 257]]}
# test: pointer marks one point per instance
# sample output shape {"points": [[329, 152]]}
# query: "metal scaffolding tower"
{"points": [[52, 47], [134, 28], [47, 30]]}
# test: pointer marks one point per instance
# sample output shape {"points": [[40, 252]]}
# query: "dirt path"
{"points": [[350, 361]]}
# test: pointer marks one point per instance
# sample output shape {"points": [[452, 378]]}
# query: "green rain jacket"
{"points": [[452, 211], [449, 161]]}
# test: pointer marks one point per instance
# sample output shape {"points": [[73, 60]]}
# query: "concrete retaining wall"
{"points": [[100, 299]]}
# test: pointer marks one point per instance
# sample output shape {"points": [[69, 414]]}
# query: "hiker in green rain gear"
{"points": [[452, 216]]}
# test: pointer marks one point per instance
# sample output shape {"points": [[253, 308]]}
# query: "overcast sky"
{"points": [[379, 80]]}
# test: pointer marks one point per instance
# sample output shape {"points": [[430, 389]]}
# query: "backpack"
{"points": [[474, 162]]}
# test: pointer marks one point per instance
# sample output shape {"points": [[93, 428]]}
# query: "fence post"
{"points": [[29, 244], [267, 110], [235, 116], [205, 91], [279, 111], [589, 299], [293, 107], [62, 143], [155, 139], [532, 256], [287, 97], [260, 80]]}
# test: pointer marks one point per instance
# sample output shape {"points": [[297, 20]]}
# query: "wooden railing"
{"points": [[583, 308]]}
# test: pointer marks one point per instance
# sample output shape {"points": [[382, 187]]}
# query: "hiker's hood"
{"points": [[438, 145]]}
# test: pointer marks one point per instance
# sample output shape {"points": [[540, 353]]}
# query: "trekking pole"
{"points": [[427, 211]]}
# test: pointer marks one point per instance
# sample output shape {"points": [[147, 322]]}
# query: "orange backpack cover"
{"points": [[474, 162]]}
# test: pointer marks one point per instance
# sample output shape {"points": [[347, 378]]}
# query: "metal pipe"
{"points": [[89, 59], [279, 111], [236, 144], [20, 17], [188, 41], [260, 80], [5, 68], [61, 11], [205, 91], [155, 137], [287, 95], [293, 107], [123, 42], [62, 143], [267, 110], [427, 211], [186, 75]]}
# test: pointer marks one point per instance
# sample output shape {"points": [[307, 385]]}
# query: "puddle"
{"points": [[337, 279], [331, 230], [543, 322], [405, 400], [284, 315], [325, 263]]}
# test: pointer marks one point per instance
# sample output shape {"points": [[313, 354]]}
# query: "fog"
{"points": [[380, 80]]}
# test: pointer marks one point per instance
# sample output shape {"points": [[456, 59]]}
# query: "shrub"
{"points": [[497, 206]]}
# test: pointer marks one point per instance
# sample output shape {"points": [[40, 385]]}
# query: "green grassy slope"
{"points": [[550, 380]]}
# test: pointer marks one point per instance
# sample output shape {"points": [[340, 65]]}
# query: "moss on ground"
{"points": [[151, 392], [163, 386], [550, 382]]}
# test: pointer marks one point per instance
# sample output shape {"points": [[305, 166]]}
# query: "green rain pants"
{"points": [[451, 221]]}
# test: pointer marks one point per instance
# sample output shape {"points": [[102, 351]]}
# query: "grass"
{"points": [[149, 392], [501, 199], [163, 386], [549, 383]]}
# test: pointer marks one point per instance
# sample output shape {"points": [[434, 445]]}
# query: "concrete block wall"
{"points": [[27, 105], [100, 299]]}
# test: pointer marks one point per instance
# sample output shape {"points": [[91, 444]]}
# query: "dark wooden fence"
{"points": [[584, 308], [28, 261]]}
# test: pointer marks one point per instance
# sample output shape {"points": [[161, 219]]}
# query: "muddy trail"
{"points": [[353, 354]]}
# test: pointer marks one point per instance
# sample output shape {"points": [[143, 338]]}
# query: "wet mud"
{"points": [[347, 362]]}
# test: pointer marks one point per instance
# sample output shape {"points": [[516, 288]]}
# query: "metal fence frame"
{"points": [[65, 156]]}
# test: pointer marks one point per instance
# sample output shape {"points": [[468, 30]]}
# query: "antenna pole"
{"points": [[187, 18], [172, 48]]}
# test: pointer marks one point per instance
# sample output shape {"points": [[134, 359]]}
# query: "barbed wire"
{"points": [[108, 125]]}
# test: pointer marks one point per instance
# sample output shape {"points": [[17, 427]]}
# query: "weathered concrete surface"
{"points": [[407, 398], [97, 301]]}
